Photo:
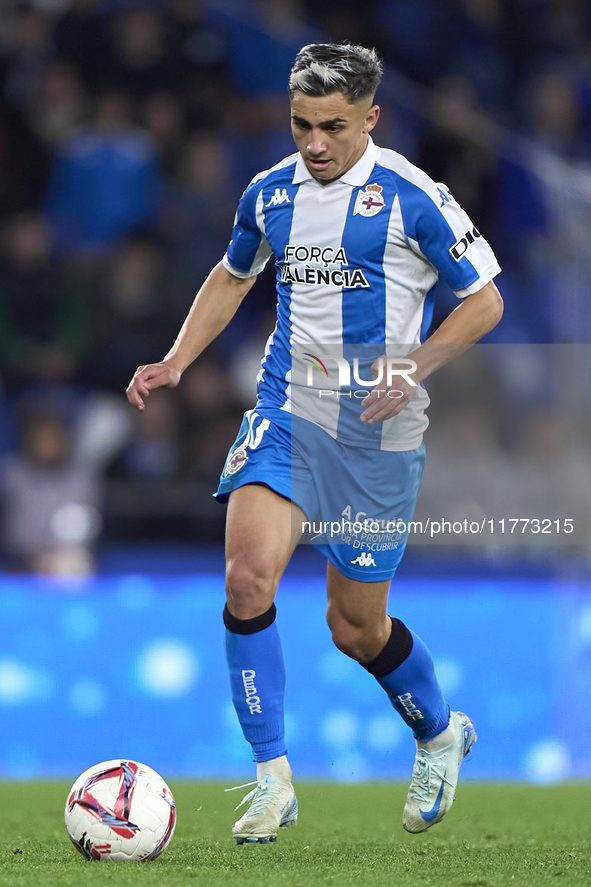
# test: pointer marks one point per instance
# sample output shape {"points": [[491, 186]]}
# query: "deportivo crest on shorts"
{"points": [[236, 461], [369, 202]]}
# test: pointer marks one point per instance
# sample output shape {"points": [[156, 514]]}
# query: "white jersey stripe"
{"points": [[318, 308]]}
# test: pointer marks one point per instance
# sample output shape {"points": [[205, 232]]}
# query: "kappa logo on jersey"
{"points": [[365, 560], [461, 246], [369, 202], [279, 197], [444, 194]]}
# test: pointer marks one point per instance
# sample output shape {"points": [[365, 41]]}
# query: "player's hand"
{"points": [[385, 400], [146, 378]]}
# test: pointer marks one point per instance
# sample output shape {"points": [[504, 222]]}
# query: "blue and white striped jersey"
{"points": [[357, 262]]}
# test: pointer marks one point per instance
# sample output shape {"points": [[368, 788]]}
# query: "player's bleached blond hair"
{"points": [[324, 68]]}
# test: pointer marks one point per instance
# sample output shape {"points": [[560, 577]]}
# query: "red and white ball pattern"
{"points": [[120, 810]]}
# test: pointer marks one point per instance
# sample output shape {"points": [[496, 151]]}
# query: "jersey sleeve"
{"points": [[248, 251], [438, 229]]}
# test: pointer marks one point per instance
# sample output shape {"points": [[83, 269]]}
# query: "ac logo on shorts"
{"points": [[253, 438], [365, 560], [236, 461]]}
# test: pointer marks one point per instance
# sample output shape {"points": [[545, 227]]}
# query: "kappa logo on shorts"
{"points": [[365, 560], [236, 461], [252, 441], [369, 202]]}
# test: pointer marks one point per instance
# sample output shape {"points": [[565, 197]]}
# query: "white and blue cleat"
{"points": [[273, 806], [435, 777]]}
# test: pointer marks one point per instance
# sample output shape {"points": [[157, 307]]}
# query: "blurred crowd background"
{"points": [[127, 134]]}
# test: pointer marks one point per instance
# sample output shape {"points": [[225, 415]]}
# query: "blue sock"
{"points": [[405, 670], [257, 678]]}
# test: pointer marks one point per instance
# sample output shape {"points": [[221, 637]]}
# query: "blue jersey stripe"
{"points": [[425, 224], [278, 218], [246, 237], [364, 242], [364, 308], [279, 194]]}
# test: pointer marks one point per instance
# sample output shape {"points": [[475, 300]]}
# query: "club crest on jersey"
{"points": [[236, 461], [369, 202]]}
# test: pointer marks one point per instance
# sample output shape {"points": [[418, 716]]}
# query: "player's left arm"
{"points": [[474, 317]]}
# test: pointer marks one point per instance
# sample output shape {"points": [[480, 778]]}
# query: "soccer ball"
{"points": [[120, 810]]}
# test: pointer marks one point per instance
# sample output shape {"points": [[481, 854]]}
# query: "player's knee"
{"points": [[354, 642], [349, 638], [250, 588], [359, 638]]}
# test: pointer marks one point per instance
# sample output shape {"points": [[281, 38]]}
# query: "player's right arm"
{"points": [[214, 307], [216, 302]]}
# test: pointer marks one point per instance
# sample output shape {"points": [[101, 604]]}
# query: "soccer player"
{"points": [[359, 236]]}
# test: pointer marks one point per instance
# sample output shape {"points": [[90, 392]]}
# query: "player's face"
{"points": [[330, 132]]}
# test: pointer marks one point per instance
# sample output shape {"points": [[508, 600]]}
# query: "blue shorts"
{"points": [[357, 502]]}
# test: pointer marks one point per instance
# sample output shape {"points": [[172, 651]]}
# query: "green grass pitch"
{"points": [[347, 835]]}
